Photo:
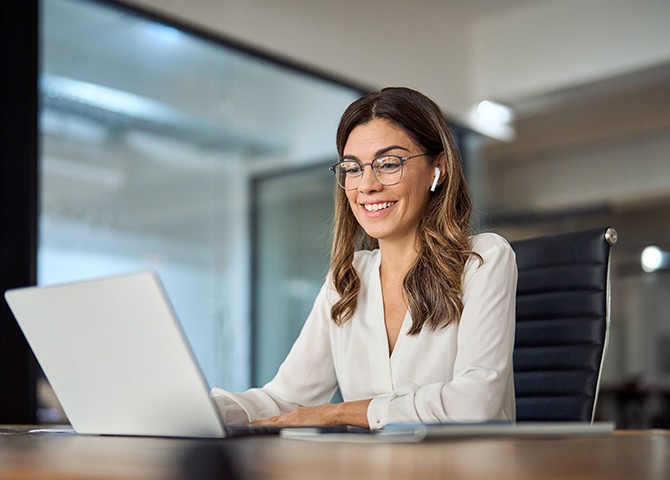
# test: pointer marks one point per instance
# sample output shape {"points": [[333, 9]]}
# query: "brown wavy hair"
{"points": [[433, 286]]}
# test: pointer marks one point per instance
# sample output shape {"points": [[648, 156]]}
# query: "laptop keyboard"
{"points": [[246, 430]]}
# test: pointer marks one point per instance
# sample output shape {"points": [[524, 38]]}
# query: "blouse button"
{"points": [[379, 421]]}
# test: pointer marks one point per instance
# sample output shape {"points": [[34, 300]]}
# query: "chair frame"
{"points": [[611, 237]]}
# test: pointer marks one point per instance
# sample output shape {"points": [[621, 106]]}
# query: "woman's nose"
{"points": [[369, 181]]}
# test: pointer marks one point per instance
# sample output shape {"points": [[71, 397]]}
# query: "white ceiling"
{"points": [[483, 8]]}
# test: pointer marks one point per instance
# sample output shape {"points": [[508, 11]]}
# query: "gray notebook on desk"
{"points": [[414, 433], [117, 358]]}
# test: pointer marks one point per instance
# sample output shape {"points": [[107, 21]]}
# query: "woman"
{"points": [[418, 324]]}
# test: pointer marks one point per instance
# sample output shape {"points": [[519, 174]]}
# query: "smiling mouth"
{"points": [[375, 207]]}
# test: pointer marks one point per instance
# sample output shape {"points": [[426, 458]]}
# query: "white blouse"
{"points": [[459, 373]]}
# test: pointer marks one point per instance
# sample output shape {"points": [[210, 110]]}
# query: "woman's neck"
{"points": [[396, 259]]}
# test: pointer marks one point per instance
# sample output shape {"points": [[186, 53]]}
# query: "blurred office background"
{"points": [[193, 139]]}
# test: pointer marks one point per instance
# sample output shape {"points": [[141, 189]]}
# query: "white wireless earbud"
{"points": [[437, 178]]}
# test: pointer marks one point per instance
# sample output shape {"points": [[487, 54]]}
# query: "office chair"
{"points": [[562, 324]]}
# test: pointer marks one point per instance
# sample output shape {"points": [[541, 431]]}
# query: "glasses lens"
{"points": [[387, 169], [348, 174]]}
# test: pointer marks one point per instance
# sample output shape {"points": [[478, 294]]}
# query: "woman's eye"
{"points": [[388, 165], [352, 169]]}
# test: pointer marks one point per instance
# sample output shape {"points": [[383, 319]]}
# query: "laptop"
{"points": [[117, 358]]}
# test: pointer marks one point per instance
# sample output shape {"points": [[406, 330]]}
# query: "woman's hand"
{"points": [[346, 413]]}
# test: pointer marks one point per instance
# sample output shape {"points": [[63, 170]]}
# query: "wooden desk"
{"points": [[624, 455]]}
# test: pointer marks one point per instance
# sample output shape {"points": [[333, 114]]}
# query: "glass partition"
{"points": [[292, 234], [150, 138]]}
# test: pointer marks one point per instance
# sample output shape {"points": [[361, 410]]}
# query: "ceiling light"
{"points": [[495, 112], [493, 119], [653, 259], [109, 99]]}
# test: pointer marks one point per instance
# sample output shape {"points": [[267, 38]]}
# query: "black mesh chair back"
{"points": [[562, 324]]}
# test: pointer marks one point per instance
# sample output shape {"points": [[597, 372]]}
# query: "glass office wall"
{"points": [[151, 137], [292, 233]]}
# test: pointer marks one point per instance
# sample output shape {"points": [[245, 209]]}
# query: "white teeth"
{"points": [[374, 207]]}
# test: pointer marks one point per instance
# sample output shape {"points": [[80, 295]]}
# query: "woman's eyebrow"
{"points": [[379, 152], [388, 149]]}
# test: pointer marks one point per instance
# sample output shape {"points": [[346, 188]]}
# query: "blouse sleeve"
{"points": [[306, 377], [481, 387]]}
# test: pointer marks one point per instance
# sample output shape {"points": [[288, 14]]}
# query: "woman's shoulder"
{"points": [[483, 242], [495, 255]]}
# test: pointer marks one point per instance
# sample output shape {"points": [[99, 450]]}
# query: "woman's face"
{"points": [[388, 213]]}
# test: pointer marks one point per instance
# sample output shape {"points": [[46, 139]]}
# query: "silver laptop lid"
{"points": [[116, 357]]}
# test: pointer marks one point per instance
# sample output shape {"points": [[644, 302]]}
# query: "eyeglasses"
{"points": [[387, 170]]}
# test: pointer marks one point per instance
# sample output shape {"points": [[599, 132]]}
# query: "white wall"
{"points": [[618, 173], [552, 45], [373, 42], [434, 46]]}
